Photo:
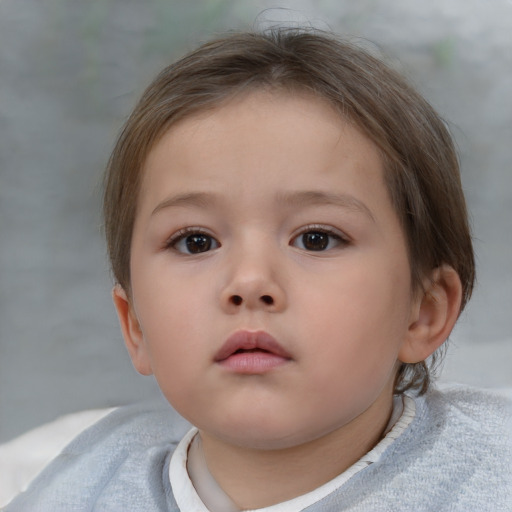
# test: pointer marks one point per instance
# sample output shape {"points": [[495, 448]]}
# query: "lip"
{"points": [[251, 352]]}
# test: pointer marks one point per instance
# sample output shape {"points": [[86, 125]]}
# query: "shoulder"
{"points": [[468, 424], [471, 410], [117, 464], [455, 455], [459, 448], [133, 427]]}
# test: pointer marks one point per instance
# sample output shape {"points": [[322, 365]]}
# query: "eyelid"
{"points": [[329, 230]]}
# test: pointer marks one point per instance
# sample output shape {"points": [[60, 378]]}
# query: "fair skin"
{"points": [[268, 218]]}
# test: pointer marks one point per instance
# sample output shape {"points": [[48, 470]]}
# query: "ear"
{"points": [[433, 315], [132, 332]]}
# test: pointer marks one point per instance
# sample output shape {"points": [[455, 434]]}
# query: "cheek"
{"points": [[175, 335], [358, 298], [173, 320], [165, 295], [358, 323]]}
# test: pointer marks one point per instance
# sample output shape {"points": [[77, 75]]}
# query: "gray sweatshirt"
{"points": [[455, 455]]}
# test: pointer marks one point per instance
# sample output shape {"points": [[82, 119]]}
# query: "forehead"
{"points": [[250, 130]]}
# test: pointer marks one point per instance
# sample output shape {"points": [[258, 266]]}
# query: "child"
{"points": [[290, 244]]}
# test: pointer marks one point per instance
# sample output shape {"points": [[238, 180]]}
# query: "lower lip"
{"points": [[253, 362]]}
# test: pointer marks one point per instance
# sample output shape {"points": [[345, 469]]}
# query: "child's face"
{"points": [[268, 215]]}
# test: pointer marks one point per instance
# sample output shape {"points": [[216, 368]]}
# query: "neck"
{"points": [[255, 478]]}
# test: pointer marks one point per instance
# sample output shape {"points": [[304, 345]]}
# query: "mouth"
{"points": [[251, 352]]}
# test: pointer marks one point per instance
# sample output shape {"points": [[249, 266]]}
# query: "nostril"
{"points": [[236, 300], [267, 299]]}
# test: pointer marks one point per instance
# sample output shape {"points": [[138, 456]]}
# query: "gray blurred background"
{"points": [[70, 70]]}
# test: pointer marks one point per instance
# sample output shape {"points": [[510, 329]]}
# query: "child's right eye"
{"points": [[192, 242]]}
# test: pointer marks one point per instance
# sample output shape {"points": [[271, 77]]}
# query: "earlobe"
{"points": [[434, 314], [131, 330]]}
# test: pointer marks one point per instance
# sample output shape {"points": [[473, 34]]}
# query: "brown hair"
{"points": [[421, 165]]}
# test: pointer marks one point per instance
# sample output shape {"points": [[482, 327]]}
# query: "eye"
{"points": [[318, 239], [192, 242]]}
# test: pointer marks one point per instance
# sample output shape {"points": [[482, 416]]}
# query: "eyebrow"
{"points": [[314, 197], [291, 199], [200, 199]]}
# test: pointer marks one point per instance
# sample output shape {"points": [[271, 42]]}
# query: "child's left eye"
{"points": [[317, 240]]}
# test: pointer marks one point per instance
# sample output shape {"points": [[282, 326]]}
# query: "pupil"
{"points": [[315, 241], [198, 243]]}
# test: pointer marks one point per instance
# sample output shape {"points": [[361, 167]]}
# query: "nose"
{"points": [[253, 283]]}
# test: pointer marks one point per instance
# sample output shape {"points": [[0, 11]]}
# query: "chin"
{"points": [[265, 435]]}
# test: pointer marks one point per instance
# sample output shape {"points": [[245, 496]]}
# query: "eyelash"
{"points": [[183, 234]]}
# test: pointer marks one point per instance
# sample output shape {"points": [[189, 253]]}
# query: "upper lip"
{"points": [[250, 340]]}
